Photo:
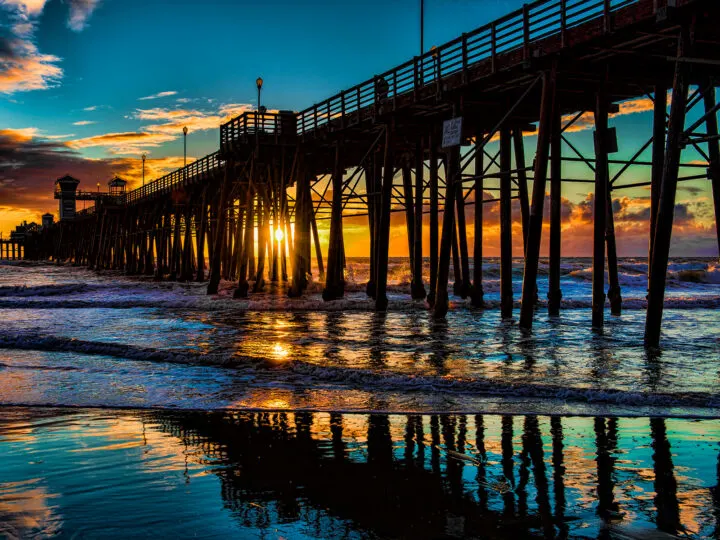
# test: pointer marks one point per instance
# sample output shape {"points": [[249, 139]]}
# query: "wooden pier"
{"points": [[386, 146]]}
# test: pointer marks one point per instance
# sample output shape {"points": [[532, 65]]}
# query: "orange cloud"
{"points": [[24, 68], [173, 120], [587, 119], [26, 8], [129, 142], [167, 126]]}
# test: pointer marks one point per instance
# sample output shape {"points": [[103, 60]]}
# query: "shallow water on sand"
{"points": [[71, 337], [106, 473]]}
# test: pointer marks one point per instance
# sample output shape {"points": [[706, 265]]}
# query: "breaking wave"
{"points": [[47, 290], [306, 374]]}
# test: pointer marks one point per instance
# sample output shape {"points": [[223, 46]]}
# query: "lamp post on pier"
{"points": [[185, 132], [144, 156], [259, 83]]}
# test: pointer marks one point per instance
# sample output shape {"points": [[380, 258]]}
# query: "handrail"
{"points": [[249, 123], [204, 165], [268, 124], [513, 32]]}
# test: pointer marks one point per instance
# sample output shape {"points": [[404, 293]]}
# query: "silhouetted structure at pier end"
{"points": [[388, 145]]}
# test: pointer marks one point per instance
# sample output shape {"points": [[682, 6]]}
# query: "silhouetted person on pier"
{"points": [[382, 88]]}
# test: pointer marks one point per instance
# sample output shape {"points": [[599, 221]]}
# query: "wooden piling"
{"points": [[186, 270], [219, 232], [417, 287], [175, 256], [201, 218], [600, 207], [521, 176], [373, 183], [241, 291], [554, 291], [614, 293], [409, 205], [381, 300], [535, 220], [335, 280], [666, 202], [462, 241], [711, 122], [318, 248], [477, 294], [432, 144], [303, 210], [457, 267], [506, 294], [448, 229], [259, 284], [658, 162]]}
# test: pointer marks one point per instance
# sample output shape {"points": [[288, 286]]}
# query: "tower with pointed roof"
{"points": [[66, 191]]}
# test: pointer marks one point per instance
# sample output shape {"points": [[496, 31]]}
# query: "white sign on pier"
{"points": [[452, 132]]}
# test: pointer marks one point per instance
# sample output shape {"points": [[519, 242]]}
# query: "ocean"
{"points": [[130, 407], [72, 337]]}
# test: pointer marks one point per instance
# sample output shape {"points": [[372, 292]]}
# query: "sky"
{"points": [[88, 86]]}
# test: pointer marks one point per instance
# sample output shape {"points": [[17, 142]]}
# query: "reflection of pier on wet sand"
{"points": [[331, 475]]}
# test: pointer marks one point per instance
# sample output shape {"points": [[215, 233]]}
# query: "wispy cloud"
{"points": [[29, 8], [22, 66], [80, 12], [84, 123], [127, 142], [171, 121], [19, 135], [90, 109], [163, 125], [159, 95]]}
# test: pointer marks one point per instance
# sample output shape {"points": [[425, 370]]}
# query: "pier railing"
{"points": [[203, 166], [271, 125], [514, 32]]}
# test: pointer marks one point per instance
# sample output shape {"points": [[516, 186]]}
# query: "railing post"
{"points": [[563, 22], [395, 92], [464, 57], [415, 77], [493, 47], [342, 110], [315, 114], [526, 32], [607, 21]]}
